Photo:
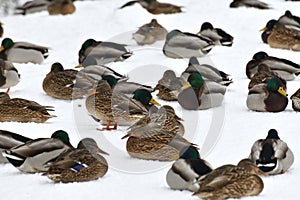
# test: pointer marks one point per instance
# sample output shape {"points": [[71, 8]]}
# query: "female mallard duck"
{"points": [[164, 118], [168, 86], [32, 7], [185, 45], [263, 75], [296, 100], [217, 35], [185, 171], [9, 75], [207, 72], [32, 156], [272, 155], [249, 3], [1, 29], [152, 143], [22, 110], [22, 52], [111, 106], [230, 181], [198, 94], [61, 7], [103, 52], [9, 140], [268, 97], [150, 33], [155, 7], [77, 165]]}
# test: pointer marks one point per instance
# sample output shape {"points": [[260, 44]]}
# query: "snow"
{"points": [[224, 134]]}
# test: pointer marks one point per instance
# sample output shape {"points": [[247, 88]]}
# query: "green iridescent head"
{"points": [[145, 97], [275, 85], [196, 80]]}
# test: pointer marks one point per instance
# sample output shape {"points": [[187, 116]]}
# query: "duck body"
{"points": [[150, 33], [272, 155], [249, 3], [103, 52], [296, 100], [1, 30], [22, 110], [284, 68], [9, 75], [62, 7], [261, 98], [9, 140], [32, 7], [185, 45], [22, 52]]}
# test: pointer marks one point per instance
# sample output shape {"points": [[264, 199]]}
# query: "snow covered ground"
{"points": [[224, 134]]}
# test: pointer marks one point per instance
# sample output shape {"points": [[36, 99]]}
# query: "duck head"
{"points": [[6, 44], [145, 97], [275, 85]]}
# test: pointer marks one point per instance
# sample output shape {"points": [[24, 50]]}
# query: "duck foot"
{"points": [[7, 91], [108, 128]]}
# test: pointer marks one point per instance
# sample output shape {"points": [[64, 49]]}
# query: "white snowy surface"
{"points": [[224, 134]]}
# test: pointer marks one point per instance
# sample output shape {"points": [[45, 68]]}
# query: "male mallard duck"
{"points": [[9, 140], [168, 86], [103, 52], [272, 155], [156, 144], [1, 29], [296, 100], [217, 35], [32, 7], [22, 52], [163, 118], [185, 45], [155, 7], [207, 72], [230, 181], [198, 94], [60, 83], [284, 68], [150, 33], [77, 165], [289, 20], [249, 3], [32, 156], [268, 97], [22, 110], [185, 171], [63, 7], [263, 75], [114, 107], [9, 76]]}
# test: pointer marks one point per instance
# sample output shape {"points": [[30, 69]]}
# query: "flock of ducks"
{"points": [[155, 132]]}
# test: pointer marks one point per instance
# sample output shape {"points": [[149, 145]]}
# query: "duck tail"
{"points": [[126, 55]]}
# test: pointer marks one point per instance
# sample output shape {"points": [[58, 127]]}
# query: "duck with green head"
{"points": [[198, 94], [22, 52], [268, 97], [110, 106], [32, 156], [185, 171]]}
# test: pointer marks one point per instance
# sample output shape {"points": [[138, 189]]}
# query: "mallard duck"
{"points": [[22, 110], [268, 97], [284, 68], [61, 7], [217, 35], [185, 171], [263, 75], [32, 156], [289, 20], [150, 33], [114, 107], [230, 181], [103, 52], [22, 52], [32, 7], [9, 75], [163, 118], [198, 94], [207, 72], [249, 3], [296, 100], [168, 86], [156, 144], [1, 29], [77, 165], [60, 83], [185, 45], [9, 140], [155, 7], [272, 155]]}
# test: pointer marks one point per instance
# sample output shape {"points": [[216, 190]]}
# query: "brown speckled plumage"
{"points": [[62, 7], [296, 100]]}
